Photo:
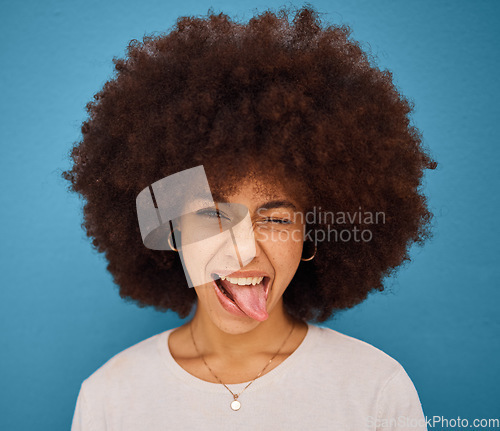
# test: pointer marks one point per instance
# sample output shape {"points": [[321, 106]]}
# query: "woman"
{"points": [[267, 175]]}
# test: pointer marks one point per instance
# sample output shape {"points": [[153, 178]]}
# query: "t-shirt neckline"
{"points": [[202, 385]]}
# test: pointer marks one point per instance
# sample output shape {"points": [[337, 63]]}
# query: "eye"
{"points": [[275, 220], [212, 213]]}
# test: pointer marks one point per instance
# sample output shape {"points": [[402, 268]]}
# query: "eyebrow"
{"points": [[278, 204], [281, 203]]}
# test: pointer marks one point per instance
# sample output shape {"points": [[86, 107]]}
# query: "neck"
{"points": [[241, 342]]}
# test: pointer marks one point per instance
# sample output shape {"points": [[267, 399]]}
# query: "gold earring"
{"points": [[169, 240], [312, 257]]}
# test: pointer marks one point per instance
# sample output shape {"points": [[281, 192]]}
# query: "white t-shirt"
{"points": [[331, 382]]}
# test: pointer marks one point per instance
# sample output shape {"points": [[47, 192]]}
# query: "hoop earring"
{"points": [[169, 240], [312, 257]]}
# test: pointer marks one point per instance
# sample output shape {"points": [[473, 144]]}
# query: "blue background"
{"points": [[61, 316]]}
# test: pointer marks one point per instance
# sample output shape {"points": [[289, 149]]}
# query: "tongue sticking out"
{"points": [[250, 299]]}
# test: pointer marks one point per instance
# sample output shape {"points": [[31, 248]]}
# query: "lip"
{"points": [[245, 274], [242, 274]]}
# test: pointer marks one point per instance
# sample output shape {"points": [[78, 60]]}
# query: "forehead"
{"points": [[262, 181], [256, 193]]}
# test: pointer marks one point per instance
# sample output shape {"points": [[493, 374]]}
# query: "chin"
{"points": [[237, 328]]}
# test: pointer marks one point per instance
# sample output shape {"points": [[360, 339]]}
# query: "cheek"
{"points": [[202, 257], [287, 243], [205, 294], [285, 258]]}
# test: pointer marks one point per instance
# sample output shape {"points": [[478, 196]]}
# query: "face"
{"points": [[247, 267]]}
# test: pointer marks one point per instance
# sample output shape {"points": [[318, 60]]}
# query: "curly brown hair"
{"points": [[290, 98]]}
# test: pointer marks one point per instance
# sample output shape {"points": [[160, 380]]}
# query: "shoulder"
{"points": [[118, 383], [367, 378], [137, 361], [354, 357], [342, 346]]}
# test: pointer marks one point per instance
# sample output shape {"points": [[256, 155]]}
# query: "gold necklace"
{"points": [[235, 404]]}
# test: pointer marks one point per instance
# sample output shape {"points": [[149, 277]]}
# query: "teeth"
{"points": [[244, 281]]}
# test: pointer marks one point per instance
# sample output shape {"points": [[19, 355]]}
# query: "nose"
{"points": [[242, 243]]}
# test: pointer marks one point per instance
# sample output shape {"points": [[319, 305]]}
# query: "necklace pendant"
{"points": [[235, 405]]}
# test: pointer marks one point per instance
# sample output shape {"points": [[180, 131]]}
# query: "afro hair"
{"points": [[284, 94]]}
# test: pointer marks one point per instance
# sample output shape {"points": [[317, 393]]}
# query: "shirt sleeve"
{"points": [[399, 407], [82, 419]]}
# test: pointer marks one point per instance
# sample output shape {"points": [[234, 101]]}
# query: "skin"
{"points": [[237, 347]]}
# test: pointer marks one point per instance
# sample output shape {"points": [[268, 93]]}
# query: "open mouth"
{"points": [[246, 294], [223, 282]]}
